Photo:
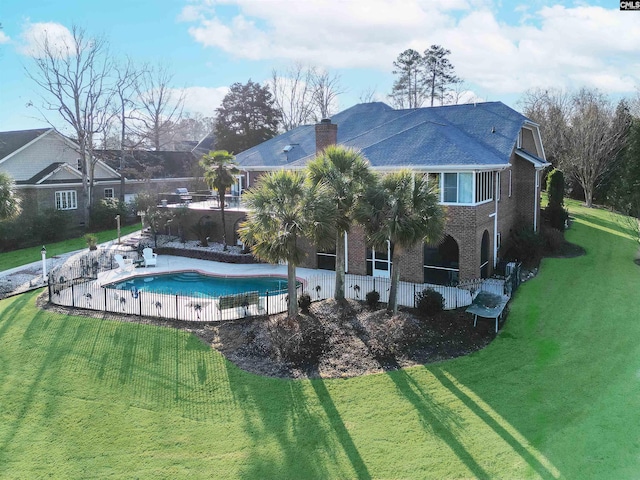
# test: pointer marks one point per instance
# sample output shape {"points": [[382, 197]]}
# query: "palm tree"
{"points": [[403, 209], [220, 173], [346, 173], [9, 201], [284, 208]]}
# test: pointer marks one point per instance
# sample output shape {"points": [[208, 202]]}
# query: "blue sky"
{"points": [[500, 48]]}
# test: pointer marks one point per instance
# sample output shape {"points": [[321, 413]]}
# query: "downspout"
{"points": [[535, 202], [495, 222], [346, 252]]}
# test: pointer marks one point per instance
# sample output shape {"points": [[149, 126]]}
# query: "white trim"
{"points": [[70, 197], [415, 168], [495, 225], [64, 166], [346, 252], [510, 182], [535, 200]]}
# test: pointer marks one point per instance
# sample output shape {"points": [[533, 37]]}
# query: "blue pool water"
{"points": [[194, 284]]}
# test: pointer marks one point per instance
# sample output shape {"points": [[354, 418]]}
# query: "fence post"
{"points": [[140, 303], [105, 300], [177, 308], [267, 302], [73, 299], [415, 305]]}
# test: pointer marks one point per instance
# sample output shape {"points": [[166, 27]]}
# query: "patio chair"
{"points": [[150, 258], [125, 264]]}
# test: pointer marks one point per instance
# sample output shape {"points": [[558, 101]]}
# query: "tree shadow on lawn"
{"points": [[311, 442], [47, 365], [517, 445], [440, 420]]}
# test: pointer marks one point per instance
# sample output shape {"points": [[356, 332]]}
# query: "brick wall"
{"points": [[326, 134]]}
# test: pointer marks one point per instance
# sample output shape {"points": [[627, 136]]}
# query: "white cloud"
{"points": [[4, 38], [551, 46], [204, 100], [35, 35]]}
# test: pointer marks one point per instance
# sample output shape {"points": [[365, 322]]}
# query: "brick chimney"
{"points": [[326, 134]]}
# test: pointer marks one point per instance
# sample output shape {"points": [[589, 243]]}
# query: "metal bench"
{"points": [[244, 300]]}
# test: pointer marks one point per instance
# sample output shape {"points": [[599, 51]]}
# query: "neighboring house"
{"points": [[46, 169], [486, 158], [45, 166]]}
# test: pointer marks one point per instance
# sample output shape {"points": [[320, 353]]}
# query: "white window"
{"points": [[66, 200], [457, 188], [484, 186], [108, 193]]}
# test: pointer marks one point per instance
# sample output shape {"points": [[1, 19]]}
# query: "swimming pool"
{"points": [[196, 284]]}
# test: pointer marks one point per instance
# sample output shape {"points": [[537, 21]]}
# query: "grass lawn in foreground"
{"points": [[556, 395], [23, 256]]}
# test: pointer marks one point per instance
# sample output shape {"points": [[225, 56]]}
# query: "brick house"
{"points": [[45, 167], [486, 158]]}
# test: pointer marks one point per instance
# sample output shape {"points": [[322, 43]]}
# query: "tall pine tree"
{"points": [[246, 117], [423, 77]]}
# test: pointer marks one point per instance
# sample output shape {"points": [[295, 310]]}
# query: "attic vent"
{"points": [[493, 129]]}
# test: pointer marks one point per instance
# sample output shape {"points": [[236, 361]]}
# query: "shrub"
{"points": [[523, 245], [304, 302], [373, 298], [554, 239], [103, 214], [555, 214], [429, 302], [556, 217], [51, 226], [203, 230]]}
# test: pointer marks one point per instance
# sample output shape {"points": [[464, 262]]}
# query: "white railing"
{"points": [[91, 296], [321, 287]]}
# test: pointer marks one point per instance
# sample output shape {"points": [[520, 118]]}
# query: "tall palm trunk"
{"points": [[224, 223], [291, 290], [340, 266], [392, 305]]}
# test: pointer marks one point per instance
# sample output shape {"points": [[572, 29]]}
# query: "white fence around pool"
{"points": [[321, 287], [92, 296], [171, 307]]}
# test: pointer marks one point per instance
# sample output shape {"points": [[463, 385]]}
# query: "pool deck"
{"points": [[170, 263]]}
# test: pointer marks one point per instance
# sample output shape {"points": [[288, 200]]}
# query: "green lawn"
{"points": [[557, 394], [23, 256]]}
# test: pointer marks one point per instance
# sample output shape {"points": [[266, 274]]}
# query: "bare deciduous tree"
{"points": [[293, 95], [326, 88], [159, 107], [368, 95], [303, 94], [551, 109], [124, 88], [597, 134], [73, 76]]}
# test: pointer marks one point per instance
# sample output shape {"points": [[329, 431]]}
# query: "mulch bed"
{"points": [[332, 340]]}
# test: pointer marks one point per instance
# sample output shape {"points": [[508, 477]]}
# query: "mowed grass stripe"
{"points": [[553, 396]]}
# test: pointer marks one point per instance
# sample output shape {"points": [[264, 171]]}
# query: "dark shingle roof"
{"points": [[155, 164], [457, 135], [204, 146], [12, 141]]}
